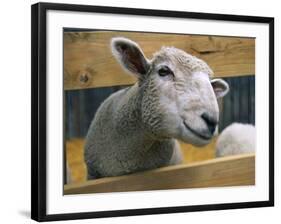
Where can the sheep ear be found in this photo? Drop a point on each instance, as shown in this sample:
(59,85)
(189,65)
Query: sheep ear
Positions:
(130,56)
(220,87)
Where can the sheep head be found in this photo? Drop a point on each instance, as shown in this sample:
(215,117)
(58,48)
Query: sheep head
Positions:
(178,98)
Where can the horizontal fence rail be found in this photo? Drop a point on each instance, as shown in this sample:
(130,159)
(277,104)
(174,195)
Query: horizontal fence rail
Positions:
(88,61)
(227,171)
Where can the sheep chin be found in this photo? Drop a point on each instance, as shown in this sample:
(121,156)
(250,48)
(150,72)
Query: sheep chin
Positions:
(190,137)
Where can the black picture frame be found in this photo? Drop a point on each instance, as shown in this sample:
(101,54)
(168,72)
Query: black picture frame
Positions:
(39,122)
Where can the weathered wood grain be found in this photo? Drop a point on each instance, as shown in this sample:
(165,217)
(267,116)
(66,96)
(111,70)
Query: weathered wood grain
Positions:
(88,61)
(227,171)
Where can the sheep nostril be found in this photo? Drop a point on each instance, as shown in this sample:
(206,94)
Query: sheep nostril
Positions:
(210,121)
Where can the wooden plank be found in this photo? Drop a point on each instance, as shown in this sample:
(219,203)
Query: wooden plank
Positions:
(75,160)
(228,171)
(88,61)
(193,153)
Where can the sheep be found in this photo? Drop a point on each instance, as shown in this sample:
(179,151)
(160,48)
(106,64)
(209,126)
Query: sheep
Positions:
(136,128)
(235,139)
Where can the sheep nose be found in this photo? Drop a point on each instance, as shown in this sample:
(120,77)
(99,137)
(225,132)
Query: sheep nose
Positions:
(210,121)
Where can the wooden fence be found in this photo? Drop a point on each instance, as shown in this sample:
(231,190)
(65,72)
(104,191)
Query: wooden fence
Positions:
(88,63)
(228,171)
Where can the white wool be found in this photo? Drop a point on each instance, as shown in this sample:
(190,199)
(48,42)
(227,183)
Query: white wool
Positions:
(236,139)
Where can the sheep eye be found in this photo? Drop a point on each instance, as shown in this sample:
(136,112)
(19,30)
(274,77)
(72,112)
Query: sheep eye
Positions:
(164,71)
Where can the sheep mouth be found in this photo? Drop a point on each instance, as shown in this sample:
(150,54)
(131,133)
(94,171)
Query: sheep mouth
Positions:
(196,133)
